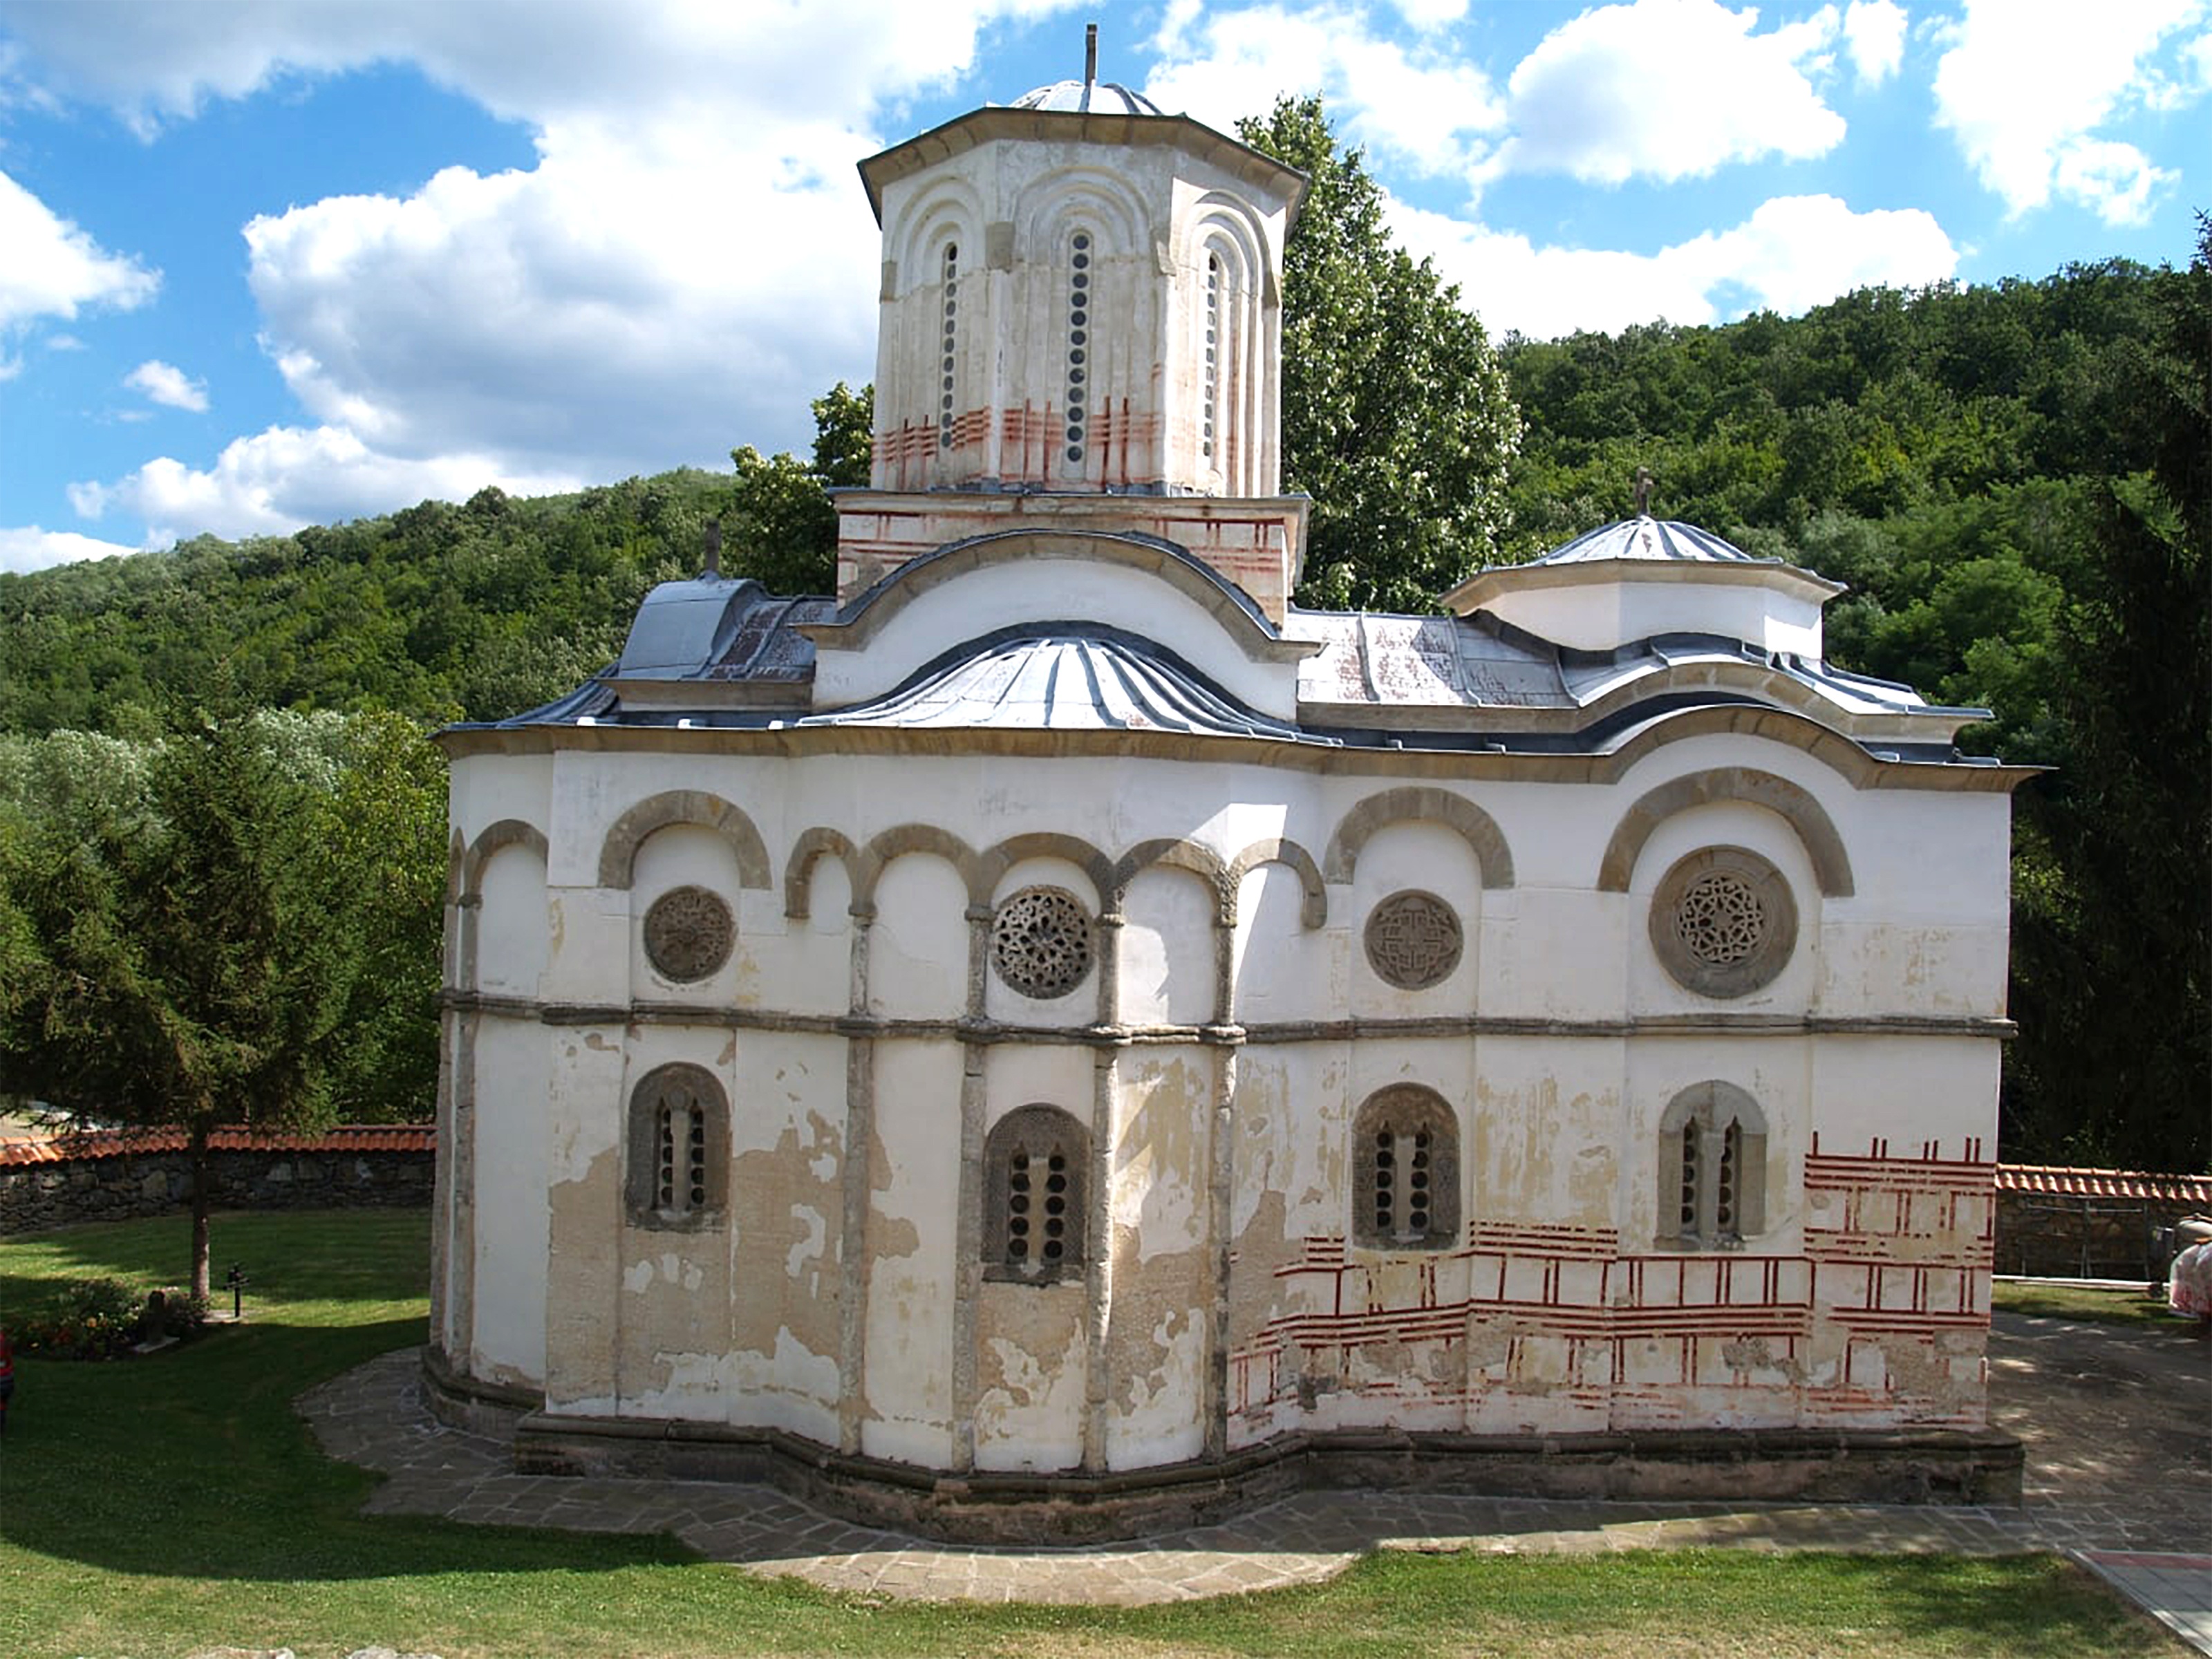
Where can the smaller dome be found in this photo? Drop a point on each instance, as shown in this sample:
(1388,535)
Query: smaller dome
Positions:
(1088,98)
(1647,537)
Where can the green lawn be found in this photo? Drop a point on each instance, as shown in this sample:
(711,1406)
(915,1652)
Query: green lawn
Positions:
(158,1507)
(2127,1307)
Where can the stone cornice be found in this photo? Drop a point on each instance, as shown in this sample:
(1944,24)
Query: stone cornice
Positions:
(784,742)
(996,123)
(1716,1023)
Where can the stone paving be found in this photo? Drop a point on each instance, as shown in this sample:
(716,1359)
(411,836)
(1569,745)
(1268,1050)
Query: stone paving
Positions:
(2117,1423)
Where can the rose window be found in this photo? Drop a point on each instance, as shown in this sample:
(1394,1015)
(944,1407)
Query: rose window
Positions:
(688,933)
(1414,941)
(1723,921)
(1041,942)
(1720,920)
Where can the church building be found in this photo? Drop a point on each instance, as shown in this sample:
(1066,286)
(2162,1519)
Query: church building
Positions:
(1055,1038)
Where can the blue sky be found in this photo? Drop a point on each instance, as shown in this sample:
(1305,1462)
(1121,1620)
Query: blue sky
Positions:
(264,264)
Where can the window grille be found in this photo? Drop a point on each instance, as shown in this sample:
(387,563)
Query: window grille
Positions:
(680,1132)
(952,337)
(1212,407)
(1405,1171)
(1079,294)
(1035,1163)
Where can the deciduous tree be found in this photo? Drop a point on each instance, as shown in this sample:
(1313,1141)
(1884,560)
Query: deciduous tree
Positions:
(1396,418)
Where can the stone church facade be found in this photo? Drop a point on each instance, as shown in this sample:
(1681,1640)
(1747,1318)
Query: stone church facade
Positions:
(1055,1037)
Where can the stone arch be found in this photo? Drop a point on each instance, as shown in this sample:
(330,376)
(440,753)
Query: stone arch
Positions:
(492,838)
(991,868)
(1313,911)
(1423,804)
(467,881)
(809,850)
(1101,201)
(618,853)
(1794,804)
(868,868)
(1227,223)
(1175,854)
(947,208)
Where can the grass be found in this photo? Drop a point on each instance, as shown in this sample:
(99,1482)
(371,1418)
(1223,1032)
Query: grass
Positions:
(170,1505)
(2108,1307)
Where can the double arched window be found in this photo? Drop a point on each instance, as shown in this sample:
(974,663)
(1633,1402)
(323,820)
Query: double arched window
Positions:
(678,1145)
(1405,1164)
(1712,1168)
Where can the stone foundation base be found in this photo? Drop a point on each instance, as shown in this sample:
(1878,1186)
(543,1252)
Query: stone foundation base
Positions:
(1733,1466)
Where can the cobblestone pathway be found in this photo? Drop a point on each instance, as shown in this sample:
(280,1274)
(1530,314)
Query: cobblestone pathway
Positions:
(2117,1424)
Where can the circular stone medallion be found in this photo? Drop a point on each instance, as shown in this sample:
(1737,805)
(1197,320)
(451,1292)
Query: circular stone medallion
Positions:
(1414,941)
(688,933)
(1041,942)
(1723,921)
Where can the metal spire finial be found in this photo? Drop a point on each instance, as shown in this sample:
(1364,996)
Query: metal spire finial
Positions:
(1643,482)
(1090,53)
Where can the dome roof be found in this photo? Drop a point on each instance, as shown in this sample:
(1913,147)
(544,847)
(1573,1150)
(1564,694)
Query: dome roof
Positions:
(1647,537)
(1064,679)
(1088,98)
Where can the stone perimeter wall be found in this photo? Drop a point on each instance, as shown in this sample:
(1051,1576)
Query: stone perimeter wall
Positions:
(115,1188)
(2055,1235)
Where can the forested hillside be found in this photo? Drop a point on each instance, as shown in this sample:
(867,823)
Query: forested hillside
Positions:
(2012,479)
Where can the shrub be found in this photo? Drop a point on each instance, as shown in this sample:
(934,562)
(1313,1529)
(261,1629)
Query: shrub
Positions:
(104,1318)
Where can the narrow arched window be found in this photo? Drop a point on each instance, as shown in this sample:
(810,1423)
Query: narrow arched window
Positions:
(1036,1161)
(1712,1168)
(1210,421)
(1081,291)
(1405,1164)
(678,1145)
(948,367)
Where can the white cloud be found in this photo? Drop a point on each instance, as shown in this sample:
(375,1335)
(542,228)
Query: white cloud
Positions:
(1873,35)
(1667,90)
(1422,105)
(690,260)
(1430,16)
(680,61)
(1793,252)
(2024,85)
(33,548)
(168,385)
(286,477)
(2114,180)
(586,316)
(52,269)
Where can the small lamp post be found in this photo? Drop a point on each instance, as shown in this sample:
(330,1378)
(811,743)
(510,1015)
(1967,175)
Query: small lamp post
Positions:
(236,1279)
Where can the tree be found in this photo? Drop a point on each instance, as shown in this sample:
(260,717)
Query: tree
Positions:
(381,829)
(190,961)
(2115,944)
(781,524)
(1396,419)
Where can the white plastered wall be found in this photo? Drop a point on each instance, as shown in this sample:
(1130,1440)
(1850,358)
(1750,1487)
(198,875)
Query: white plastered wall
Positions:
(1554,1134)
